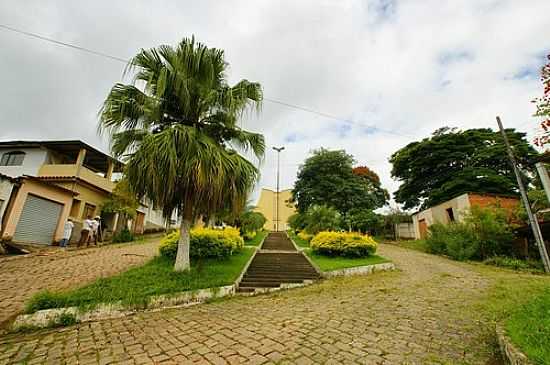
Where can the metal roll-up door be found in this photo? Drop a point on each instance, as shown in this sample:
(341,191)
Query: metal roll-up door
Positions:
(38,221)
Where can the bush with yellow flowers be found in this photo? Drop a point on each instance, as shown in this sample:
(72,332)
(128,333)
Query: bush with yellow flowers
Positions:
(348,244)
(205,242)
(305,236)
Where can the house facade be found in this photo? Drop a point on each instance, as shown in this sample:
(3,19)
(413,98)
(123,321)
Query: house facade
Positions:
(454,210)
(54,181)
(267,205)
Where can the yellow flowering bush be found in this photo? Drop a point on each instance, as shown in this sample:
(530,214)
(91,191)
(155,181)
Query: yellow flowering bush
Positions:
(305,236)
(205,242)
(349,244)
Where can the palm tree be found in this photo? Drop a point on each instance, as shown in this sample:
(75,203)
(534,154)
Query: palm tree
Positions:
(175,125)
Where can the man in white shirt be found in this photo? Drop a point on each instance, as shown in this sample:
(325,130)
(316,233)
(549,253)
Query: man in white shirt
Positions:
(95,229)
(85,232)
(68,230)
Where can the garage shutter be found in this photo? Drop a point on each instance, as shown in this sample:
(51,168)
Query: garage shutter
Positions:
(38,221)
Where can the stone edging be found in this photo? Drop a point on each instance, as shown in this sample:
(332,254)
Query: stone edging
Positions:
(360,270)
(511,354)
(55,316)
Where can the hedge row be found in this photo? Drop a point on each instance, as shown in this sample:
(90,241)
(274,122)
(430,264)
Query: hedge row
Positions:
(205,242)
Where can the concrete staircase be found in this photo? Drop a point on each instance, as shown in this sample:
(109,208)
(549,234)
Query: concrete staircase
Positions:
(277,263)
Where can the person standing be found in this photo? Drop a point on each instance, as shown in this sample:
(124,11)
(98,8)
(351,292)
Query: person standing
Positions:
(95,229)
(85,232)
(67,232)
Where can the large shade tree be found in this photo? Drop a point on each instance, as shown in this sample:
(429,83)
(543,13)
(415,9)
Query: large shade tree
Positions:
(327,178)
(452,162)
(175,125)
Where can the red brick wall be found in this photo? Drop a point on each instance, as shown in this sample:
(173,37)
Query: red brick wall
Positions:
(490,200)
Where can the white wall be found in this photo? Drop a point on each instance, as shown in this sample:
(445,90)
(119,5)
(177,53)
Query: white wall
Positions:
(34,159)
(438,213)
(6,187)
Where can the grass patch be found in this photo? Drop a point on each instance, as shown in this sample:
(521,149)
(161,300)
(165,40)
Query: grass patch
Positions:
(135,286)
(529,328)
(417,245)
(330,263)
(258,238)
(521,302)
(297,240)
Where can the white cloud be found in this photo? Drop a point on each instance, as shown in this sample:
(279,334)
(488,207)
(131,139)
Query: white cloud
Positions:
(404,66)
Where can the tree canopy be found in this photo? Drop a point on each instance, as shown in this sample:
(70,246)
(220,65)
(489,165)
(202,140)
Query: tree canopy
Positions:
(328,178)
(176,127)
(452,162)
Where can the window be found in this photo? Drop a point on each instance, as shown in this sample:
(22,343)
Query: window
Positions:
(75,208)
(450,214)
(88,211)
(14,158)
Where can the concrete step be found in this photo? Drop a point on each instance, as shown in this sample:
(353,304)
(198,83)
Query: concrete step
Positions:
(271,269)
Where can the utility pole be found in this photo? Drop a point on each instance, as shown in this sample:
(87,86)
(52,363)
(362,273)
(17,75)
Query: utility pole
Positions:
(278,149)
(543,173)
(532,219)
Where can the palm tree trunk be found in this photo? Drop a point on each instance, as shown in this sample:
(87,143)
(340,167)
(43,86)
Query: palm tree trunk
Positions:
(183,263)
(182,257)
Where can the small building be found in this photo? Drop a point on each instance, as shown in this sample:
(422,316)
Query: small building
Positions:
(267,205)
(454,209)
(56,180)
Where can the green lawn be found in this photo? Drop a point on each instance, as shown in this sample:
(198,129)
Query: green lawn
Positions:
(529,327)
(521,303)
(257,239)
(418,245)
(327,263)
(135,286)
(297,240)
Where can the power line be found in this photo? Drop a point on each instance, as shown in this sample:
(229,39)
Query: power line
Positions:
(59,43)
(126,61)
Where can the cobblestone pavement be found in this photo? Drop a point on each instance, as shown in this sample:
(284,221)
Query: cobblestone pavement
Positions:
(21,277)
(418,315)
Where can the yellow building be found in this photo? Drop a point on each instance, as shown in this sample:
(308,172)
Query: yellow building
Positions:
(267,205)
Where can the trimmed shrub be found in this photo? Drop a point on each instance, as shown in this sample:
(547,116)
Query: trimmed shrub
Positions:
(205,242)
(123,236)
(348,244)
(305,236)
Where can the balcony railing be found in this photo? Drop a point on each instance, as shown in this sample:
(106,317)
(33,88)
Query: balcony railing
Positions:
(72,170)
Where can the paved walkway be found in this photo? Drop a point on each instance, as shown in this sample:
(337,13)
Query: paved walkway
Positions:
(21,277)
(416,316)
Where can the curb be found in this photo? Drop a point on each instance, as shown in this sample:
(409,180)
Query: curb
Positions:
(360,270)
(52,317)
(511,354)
(56,316)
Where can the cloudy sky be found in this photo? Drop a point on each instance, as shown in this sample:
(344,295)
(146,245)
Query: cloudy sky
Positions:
(391,71)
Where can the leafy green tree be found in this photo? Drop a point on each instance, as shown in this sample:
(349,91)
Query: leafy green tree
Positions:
(365,220)
(327,178)
(176,127)
(297,221)
(452,162)
(122,200)
(322,218)
(251,221)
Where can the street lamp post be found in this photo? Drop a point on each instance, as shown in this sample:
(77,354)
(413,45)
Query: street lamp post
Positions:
(278,149)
